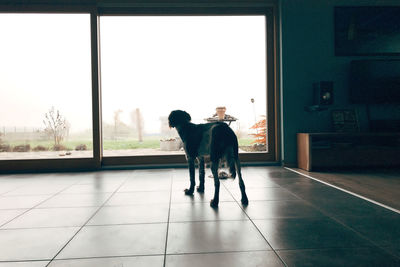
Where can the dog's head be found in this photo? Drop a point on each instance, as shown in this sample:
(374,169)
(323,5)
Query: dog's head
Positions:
(178,117)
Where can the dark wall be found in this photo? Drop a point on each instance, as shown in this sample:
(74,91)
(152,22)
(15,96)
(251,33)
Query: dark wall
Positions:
(307,56)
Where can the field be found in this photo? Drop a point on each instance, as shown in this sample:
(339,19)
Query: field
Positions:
(153,143)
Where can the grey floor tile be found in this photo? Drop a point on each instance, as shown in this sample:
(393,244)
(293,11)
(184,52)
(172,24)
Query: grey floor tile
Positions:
(186,212)
(218,236)
(92,188)
(279,173)
(52,217)
(24,264)
(307,233)
(250,182)
(42,189)
(233,259)
(384,231)
(145,261)
(368,257)
(133,198)
(33,244)
(76,200)
(296,182)
(180,197)
(143,213)
(21,202)
(266,193)
(7,215)
(117,240)
(281,209)
(148,184)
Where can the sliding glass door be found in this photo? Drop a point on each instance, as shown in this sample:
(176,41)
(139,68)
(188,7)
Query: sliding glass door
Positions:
(45,86)
(86,86)
(151,65)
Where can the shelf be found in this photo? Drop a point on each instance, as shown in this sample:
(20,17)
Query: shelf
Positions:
(339,150)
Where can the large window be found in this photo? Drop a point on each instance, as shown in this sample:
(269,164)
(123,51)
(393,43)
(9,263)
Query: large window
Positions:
(151,65)
(45,86)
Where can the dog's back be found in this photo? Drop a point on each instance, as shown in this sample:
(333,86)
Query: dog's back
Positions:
(216,139)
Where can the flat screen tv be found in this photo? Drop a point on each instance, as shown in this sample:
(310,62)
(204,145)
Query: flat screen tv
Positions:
(374,81)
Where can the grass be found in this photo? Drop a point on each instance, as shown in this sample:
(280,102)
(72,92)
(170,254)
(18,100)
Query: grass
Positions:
(152,143)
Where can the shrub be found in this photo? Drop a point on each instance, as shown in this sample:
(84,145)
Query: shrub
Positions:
(59,147)
(40,148)
(22,148)
(81,147)
(5,148)
(261,135)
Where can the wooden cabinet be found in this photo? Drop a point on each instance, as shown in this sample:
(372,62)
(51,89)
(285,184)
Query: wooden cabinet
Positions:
(340,150)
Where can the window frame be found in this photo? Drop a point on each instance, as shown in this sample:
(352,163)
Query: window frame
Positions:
(272,96)
(96,10)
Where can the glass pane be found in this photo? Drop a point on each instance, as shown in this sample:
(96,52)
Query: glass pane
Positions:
(45,86)
(151,65)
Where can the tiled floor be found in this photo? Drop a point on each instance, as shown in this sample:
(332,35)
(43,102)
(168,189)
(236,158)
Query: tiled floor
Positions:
(142,218)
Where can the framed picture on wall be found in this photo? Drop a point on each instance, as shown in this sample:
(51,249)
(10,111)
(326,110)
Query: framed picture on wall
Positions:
(367,30)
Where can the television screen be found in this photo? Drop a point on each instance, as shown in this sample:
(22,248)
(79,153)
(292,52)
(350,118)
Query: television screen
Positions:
(367,30)
(374,81)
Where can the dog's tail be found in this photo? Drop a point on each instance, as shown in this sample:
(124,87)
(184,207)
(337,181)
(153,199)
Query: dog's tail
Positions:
(233,157)
(236,158)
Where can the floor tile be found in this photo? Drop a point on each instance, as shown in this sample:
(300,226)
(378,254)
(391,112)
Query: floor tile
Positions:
(394,250)
(186,212)
(117,240)
(180,197)
(133,198)
(281,209)
(384,231)
(236,259)
(338,257)
(148,184)
(350,206)
(296,182)
(53,217)
(307,233)
(33,244)
(36,190)
(218,236)
(250,182)
(21,202)
(266,193)
(279,174)
(91,188)
(24,264)
(145,213)
(76,200)
(145,261)
(7,215)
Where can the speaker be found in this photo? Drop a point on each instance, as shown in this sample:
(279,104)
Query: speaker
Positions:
(323,93)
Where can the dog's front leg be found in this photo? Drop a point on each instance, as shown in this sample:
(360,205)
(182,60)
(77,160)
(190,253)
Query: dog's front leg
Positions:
(190,190)
(202,173)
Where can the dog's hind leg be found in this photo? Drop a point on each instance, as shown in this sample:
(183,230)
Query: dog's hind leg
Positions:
(231,163)
(190,190)
(214,169)
(202,173)
(244,200)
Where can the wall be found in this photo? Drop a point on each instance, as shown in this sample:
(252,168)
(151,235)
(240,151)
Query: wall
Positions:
(307,56)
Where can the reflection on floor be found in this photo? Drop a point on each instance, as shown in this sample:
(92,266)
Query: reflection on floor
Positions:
(142,218)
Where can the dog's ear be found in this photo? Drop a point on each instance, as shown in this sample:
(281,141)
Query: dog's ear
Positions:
(178,117)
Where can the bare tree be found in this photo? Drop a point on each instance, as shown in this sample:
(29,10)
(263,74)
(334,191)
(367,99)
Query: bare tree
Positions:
(117,121)
(56,125)
(137,123)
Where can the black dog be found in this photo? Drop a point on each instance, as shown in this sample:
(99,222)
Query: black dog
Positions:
(214,139)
